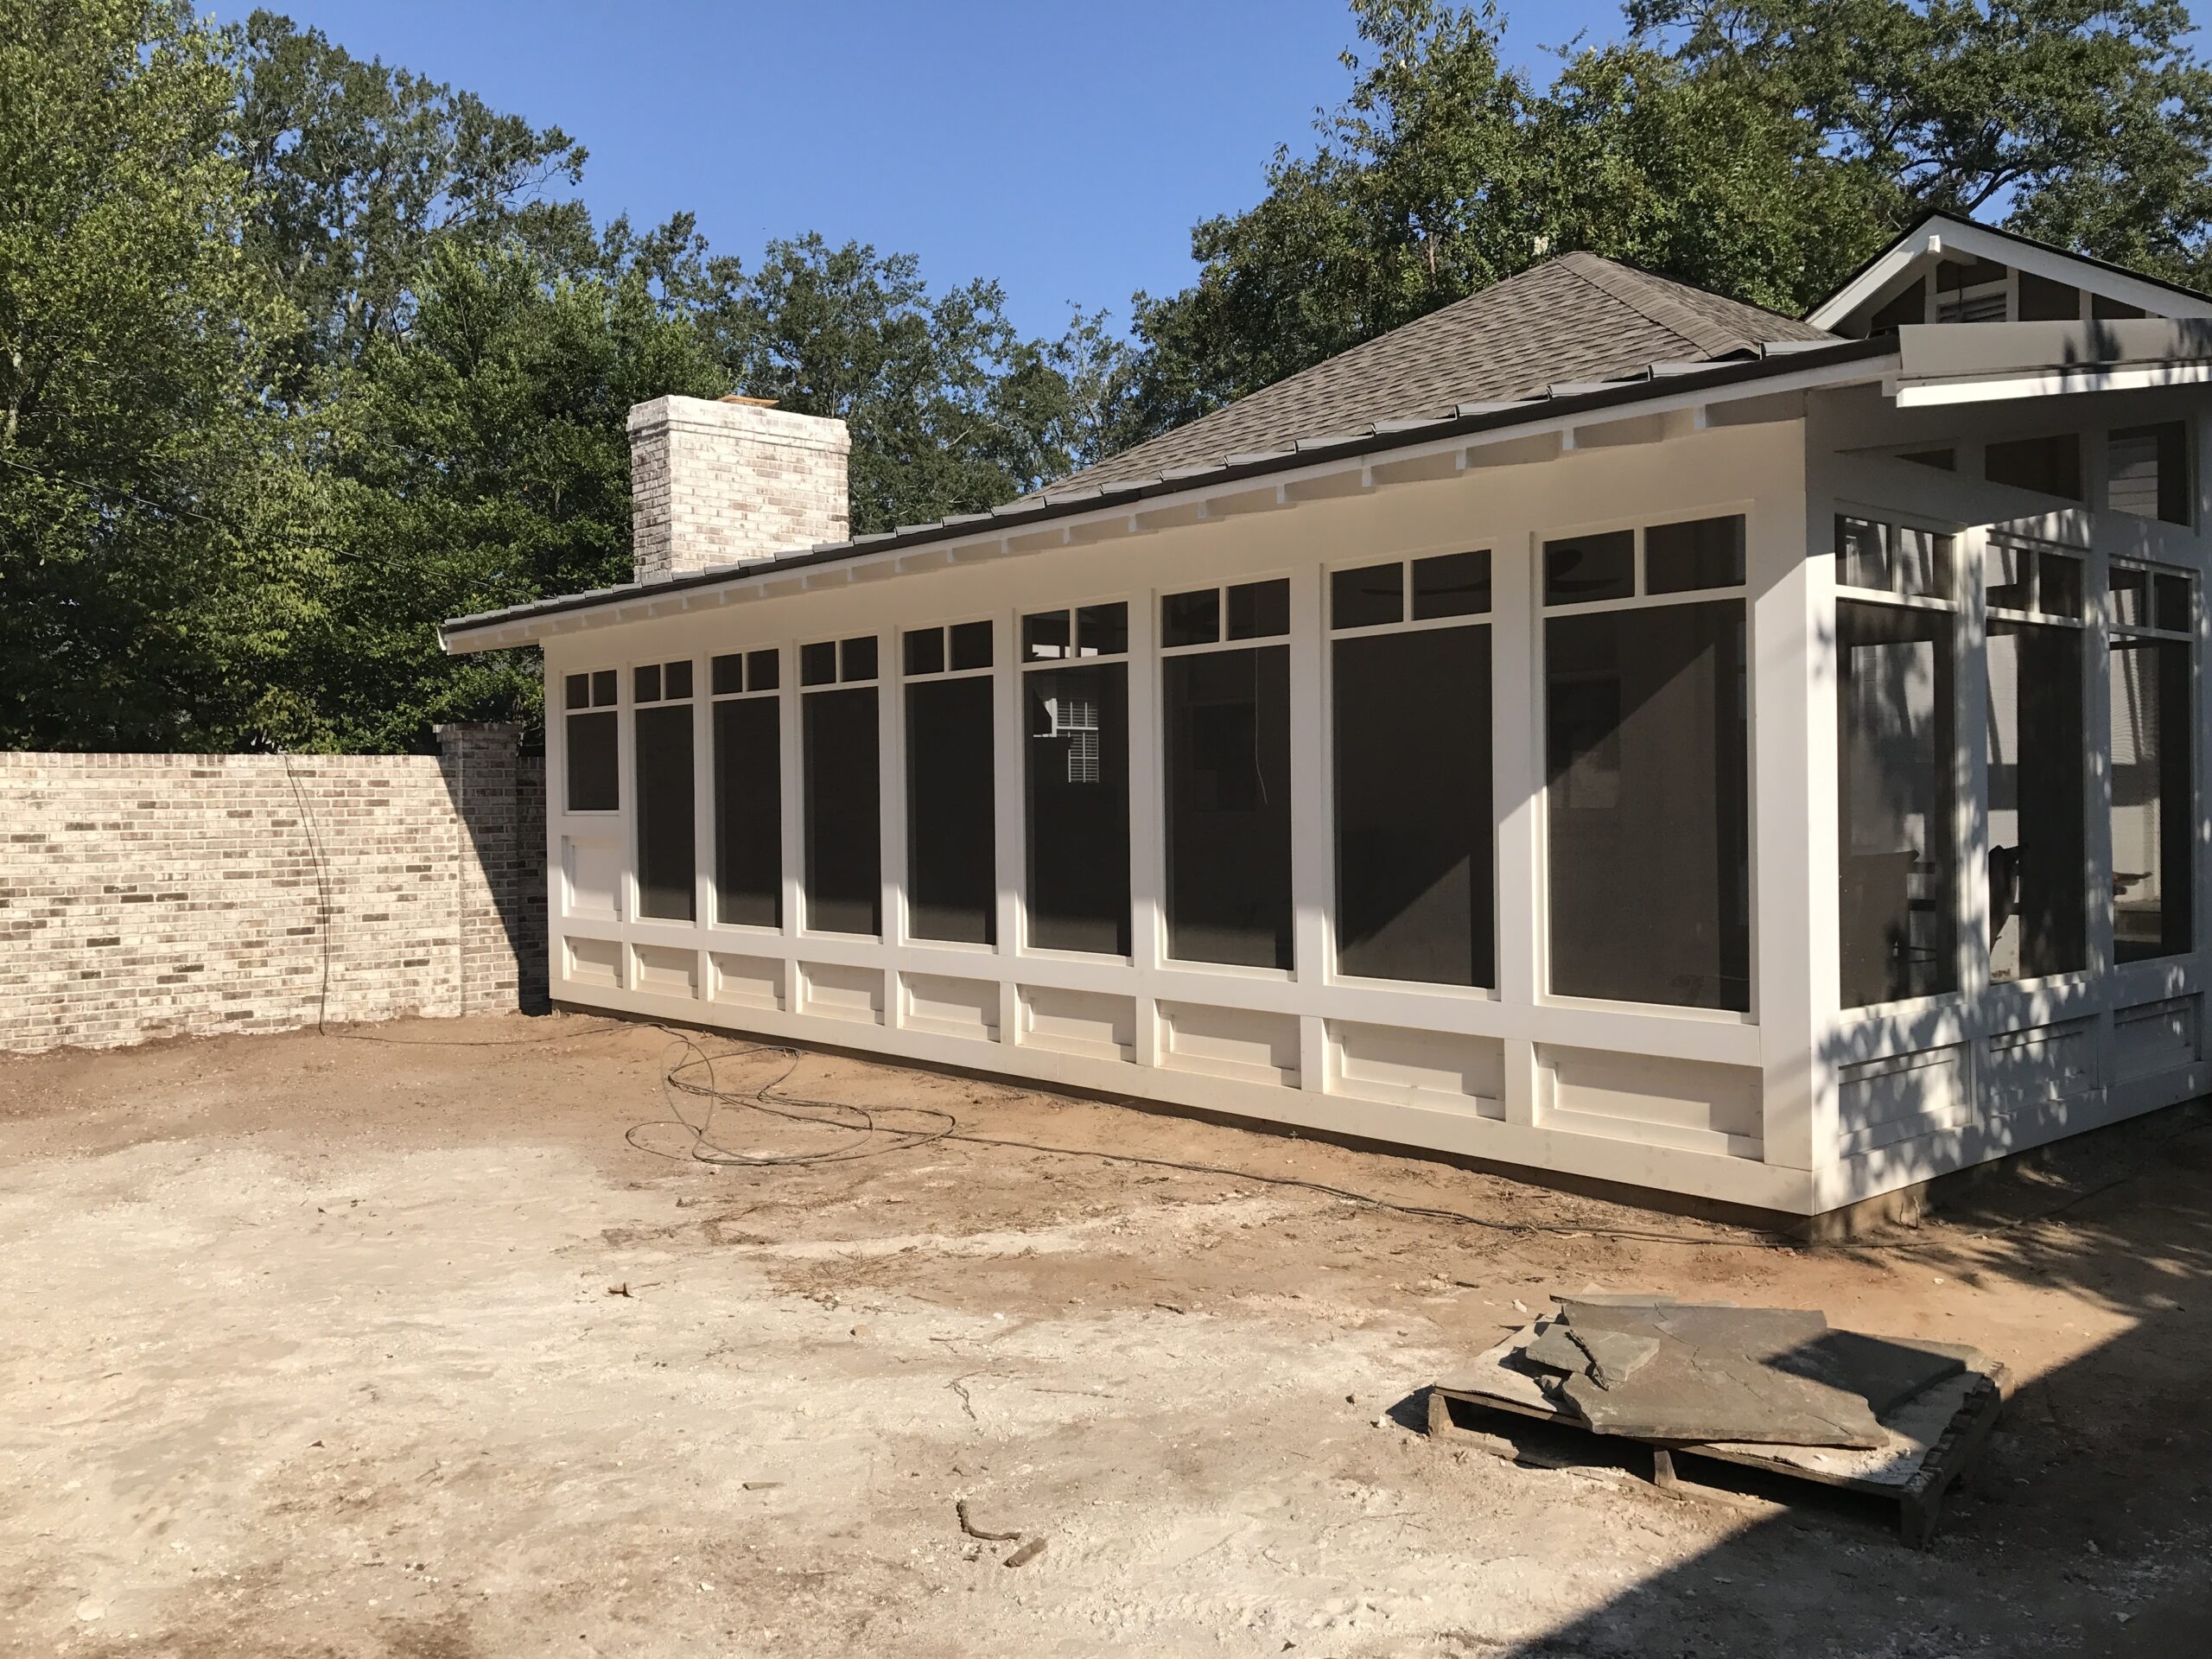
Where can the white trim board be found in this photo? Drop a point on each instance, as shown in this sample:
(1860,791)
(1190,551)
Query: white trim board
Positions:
(1934,238)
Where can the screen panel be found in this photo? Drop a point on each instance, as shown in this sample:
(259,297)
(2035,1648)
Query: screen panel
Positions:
(1896,790)
(667,832)
(1227,759)
(1076,811)
(951,860)
(844,823)
(1649,836)
(1416,888)
(748,813)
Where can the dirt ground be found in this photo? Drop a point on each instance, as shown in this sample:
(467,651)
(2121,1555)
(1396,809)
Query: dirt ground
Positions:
(428,1340)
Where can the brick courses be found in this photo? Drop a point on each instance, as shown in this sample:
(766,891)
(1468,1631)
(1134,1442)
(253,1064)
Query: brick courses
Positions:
(154,895)
(715,483)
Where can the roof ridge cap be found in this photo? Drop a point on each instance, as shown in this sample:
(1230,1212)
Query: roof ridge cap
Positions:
(1636,290)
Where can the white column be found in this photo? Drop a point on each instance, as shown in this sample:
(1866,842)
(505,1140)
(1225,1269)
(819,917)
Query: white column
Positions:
(2096,734)
(1312,830)
(1517,785)
(1791,562)
(1010,825)
(792,712)
(891,739)
(1147,865)
(1971,820)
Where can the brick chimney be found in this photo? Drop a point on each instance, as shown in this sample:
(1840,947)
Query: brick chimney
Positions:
(715,483)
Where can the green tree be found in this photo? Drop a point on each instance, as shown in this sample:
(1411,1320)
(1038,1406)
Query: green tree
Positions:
(478,458)
(1419,191)
(1758,148)
(2084,122)
(145,495)
(950,410)
(357,170)
(1698,177)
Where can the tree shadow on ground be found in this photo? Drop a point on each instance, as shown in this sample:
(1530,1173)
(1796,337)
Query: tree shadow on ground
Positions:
(2087,1528)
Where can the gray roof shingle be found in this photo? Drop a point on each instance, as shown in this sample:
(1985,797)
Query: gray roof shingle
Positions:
(1577,318)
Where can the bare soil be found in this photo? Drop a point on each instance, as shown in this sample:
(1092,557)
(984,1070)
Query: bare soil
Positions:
(433,1339)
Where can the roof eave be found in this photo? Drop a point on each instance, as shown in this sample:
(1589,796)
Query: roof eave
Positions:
(1933,232)
(1988,362)
(1799,366)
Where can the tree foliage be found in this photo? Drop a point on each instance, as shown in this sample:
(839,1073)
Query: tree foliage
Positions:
(479,458)
(142,486)
(300,353)
(1758,148)
(950,410)
(2087,121)
(358,173)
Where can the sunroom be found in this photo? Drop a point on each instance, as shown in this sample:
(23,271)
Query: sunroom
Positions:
(1599,729)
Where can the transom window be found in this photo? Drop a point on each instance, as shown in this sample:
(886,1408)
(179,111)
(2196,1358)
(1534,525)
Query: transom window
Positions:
(1896,559)
(1897,782)
(2149,599)
(2036,779)
(963,648)
(1225,717)
(1207,616)
(743,672)
(1410,708)
(2153,633)
(748,788)
(593,767)
(1441,587)
(1065,636)
(1647,695)
(1617,564)
(832,662)
(661,683)
(1075,700)
(666,829)
(594,691)
(2033,583)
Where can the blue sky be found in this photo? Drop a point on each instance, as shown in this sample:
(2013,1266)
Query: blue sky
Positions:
(1064,149)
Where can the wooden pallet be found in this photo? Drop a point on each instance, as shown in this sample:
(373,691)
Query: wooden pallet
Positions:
(1933,1438)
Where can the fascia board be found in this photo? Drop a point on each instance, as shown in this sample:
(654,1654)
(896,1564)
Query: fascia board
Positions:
(2054,382)
(1988,362)
(1870,283)
(1536,416)
(1961,236)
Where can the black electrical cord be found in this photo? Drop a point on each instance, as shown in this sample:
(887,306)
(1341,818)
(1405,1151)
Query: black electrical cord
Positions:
(687,1069)
(867,1136)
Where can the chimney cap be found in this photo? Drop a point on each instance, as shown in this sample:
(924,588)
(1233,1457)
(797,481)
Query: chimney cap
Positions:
(750,402)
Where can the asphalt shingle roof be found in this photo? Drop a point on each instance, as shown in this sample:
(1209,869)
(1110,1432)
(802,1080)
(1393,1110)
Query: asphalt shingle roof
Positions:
(1575,318)
(1578,332)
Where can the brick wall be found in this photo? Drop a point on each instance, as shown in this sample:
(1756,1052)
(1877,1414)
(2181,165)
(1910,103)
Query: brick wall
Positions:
(148,895)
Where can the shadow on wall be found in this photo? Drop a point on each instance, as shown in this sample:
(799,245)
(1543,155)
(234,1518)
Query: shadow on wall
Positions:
(498,799)
(2087,1528)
